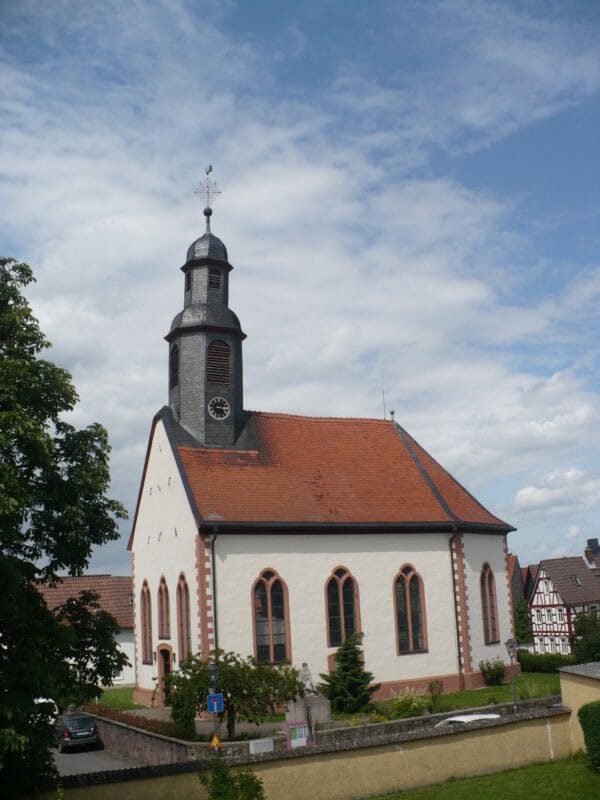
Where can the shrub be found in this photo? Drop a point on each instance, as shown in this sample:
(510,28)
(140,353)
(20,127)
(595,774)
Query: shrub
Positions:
(408,703)
(163,727)
(492,671)
(542,662)
(436,690)
(222,784)
(585,639)
(589,718)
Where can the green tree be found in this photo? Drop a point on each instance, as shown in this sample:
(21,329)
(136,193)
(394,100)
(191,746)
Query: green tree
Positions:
(585,639)
(250,689)
(53,510)
(523,621)
(349,686)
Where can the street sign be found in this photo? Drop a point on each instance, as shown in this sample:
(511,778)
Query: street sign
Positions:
(215,742)
(214,703)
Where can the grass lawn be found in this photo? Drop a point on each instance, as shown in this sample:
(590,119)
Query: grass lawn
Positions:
(120,697)
(528,685)
(570,779)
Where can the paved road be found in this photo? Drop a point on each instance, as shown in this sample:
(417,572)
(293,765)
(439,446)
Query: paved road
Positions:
(76,762)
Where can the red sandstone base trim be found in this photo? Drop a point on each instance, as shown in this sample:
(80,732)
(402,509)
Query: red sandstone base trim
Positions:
(452,682)
(143,696)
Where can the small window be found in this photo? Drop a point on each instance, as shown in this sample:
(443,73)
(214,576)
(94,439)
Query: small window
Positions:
(214,279)
(576,580)
(538,616)
(188,281)
(173,367)
(218,363)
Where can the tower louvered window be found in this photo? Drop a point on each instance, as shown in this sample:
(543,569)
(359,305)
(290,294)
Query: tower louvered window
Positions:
(214,279)
(218,363)
(174,367)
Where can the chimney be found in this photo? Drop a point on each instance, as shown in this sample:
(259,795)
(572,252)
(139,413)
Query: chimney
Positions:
(591,550)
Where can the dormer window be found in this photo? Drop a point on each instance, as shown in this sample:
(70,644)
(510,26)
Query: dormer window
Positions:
(214,279)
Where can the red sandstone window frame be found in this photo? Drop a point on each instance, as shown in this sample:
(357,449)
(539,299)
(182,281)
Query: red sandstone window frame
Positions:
(405,575)
(267,579)
(164,622)
(184,629)
(340,576)
(146,615)
(489,605)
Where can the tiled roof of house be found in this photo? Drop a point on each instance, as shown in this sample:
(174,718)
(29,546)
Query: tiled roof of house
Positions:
(322,471)
(114,591)
(566,573)
(512,561)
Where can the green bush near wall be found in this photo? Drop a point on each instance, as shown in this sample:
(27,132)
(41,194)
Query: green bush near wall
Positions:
(542,662)
(589,719)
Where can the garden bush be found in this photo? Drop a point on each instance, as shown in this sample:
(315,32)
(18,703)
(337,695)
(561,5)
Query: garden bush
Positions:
(164,727)
(492,671)
(408,703)
(589,718)
(542,662)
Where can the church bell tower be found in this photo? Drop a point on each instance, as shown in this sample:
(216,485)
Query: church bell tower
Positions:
(205,347)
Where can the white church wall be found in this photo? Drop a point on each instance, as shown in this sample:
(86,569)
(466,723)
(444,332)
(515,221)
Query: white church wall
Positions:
(478,550)
(125,641)
(305,563)
(164,544)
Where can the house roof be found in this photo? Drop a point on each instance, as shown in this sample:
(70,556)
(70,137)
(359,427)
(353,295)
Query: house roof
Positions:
(114,591)
(562,572)
(296,471)
(512,562)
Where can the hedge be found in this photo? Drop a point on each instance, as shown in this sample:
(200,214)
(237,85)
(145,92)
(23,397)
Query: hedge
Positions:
(162,726)
(589,719)
(542,662)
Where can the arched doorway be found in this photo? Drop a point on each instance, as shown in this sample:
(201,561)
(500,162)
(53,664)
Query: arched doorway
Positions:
(165,667)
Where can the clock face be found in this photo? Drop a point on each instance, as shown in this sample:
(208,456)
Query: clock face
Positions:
(218,408)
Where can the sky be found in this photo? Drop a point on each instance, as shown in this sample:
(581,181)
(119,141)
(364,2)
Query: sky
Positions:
(410,198)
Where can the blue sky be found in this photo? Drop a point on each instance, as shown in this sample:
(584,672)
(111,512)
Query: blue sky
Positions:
(410,199)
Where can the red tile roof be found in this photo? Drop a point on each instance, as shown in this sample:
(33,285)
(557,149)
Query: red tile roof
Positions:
(115,594)
(512,560)
(323,471)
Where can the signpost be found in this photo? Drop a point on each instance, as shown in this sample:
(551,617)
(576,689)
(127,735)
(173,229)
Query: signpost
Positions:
(214,703)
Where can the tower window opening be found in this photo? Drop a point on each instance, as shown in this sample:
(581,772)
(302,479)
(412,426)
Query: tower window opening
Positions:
(218,362)
(214,279)
(188,281)
(174,367)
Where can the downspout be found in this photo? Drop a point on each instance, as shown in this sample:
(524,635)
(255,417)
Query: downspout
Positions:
(213,537)
(461,677)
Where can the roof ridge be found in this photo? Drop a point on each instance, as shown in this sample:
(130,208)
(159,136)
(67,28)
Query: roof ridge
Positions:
(317,418)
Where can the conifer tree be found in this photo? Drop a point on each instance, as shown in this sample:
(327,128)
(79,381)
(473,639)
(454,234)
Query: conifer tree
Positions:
(349,686)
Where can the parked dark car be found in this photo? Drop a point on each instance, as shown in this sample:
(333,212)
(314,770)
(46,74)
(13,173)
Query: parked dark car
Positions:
(75,730)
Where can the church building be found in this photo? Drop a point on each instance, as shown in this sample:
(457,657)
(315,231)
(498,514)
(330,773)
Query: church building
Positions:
(277,535)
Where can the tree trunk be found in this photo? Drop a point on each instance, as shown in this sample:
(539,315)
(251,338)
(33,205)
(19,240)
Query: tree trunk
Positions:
(230,722)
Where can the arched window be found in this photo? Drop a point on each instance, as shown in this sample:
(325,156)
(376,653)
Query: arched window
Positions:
(342,606)
(410,611)
(184,631)
(271,618)
(163,610)
(488,605)
(173,367)
(146,612)
(218,363)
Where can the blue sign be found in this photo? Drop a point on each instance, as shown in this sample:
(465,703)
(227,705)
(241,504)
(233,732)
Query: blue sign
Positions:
(214,703)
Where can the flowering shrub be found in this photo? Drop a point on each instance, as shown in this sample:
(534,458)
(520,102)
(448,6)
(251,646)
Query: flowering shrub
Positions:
(407,703)
(492,671)
(164,727)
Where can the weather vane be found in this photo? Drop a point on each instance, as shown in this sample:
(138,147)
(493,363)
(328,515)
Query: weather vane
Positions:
(208,189)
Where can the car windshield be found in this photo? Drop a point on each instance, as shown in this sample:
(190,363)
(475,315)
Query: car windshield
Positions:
(80,723)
